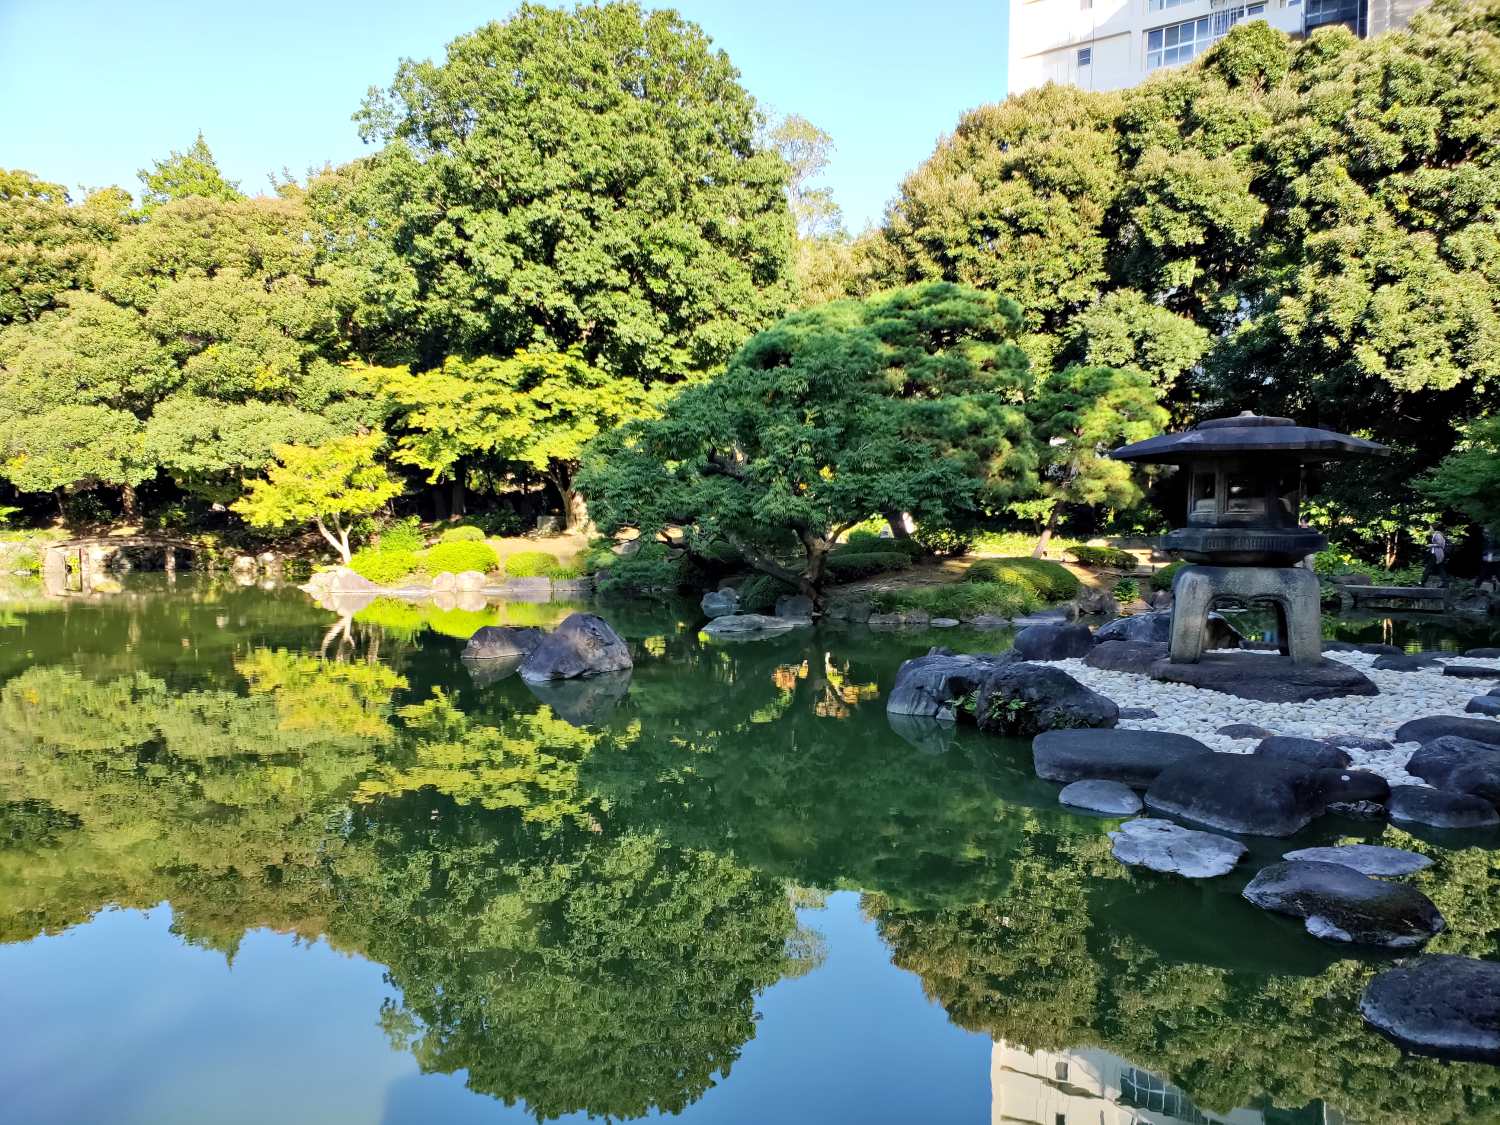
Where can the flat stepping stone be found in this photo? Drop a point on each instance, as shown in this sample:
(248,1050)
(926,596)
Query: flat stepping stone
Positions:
(1171,849)
(1435,726)
(1359,742)
(1137,713)
(1484,705)
(1310,752)
(1416,804)
(1111,797)
(1471,671)
(1367,859)
(944,623)
(1415,662)
(1267,678)
(1338,903)
(1134,757)
(749,626)
(1245,730)
(1438,1004)
(1483,653)
(1240,793)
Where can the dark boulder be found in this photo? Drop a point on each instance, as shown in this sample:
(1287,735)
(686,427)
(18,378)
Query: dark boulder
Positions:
(1112,798)
(1156,628)
(1438,1004)
(794,606)
(1238,793)
(1484,705)
(1435,726)
(1169,848)
(1338,903)
(1137,713)
(1053,642)
(1367,859)
(1310,752)
(720,603)
(502,642)
(1245,730)
(1483,653)
(1471,672)
(1133,757)
(1268,678)
(749,627)
(1025,699)
(1359,742)
(1416,804)
(1345,786)
(583,645)
(1402,662)
(1459,765)
(932,686)
(1126,656)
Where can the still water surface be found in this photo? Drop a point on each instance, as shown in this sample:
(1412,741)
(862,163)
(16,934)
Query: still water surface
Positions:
(258,866)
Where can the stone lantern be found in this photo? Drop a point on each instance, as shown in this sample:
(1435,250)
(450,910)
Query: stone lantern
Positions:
(1242,534)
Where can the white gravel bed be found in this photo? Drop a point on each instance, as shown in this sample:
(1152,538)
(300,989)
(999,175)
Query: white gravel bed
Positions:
(1199,712)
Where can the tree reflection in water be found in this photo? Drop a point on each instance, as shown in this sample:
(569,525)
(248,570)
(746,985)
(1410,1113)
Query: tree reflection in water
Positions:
(579,902)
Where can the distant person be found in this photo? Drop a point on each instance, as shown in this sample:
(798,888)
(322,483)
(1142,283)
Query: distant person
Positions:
(1437,565)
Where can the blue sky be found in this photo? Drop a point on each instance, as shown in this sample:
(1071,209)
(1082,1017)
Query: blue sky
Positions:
(92,90)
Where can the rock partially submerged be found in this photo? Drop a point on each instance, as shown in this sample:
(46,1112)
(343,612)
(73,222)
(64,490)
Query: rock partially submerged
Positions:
(1346,787)
(583,645)
(1416,804)
(590,701)
(720,603)
(502,642)
(1171,849)
(1132,757)
(749,627)
(1472,671)
(1268,678)
(1238,793)
(1111,798)
(1367,859)
(1438,1004)
(1459,765)
(1338,903)
(933,685)
(1435,726)
(1025,699)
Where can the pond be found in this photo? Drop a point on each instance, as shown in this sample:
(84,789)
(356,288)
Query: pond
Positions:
(259,864)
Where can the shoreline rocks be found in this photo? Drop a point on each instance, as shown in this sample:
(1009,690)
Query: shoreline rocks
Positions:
(1367,859)
(1238,793)
(502,642)
(1438,1004)
(1131,757)
(1338,903)
(1434,808)
(1023,699)
(583,645)
(1267,678)
(1171,849)
(1111,798)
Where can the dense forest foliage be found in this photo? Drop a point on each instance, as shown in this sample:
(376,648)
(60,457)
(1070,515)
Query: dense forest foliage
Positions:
(571,229)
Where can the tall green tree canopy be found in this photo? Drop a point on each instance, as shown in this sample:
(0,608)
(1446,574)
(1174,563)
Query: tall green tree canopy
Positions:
(183,175)
(911,401)
(582,179)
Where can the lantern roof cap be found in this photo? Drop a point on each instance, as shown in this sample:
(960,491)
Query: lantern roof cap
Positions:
(1249,433)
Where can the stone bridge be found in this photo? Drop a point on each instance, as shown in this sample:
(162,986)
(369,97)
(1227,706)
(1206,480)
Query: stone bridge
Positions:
(92,554)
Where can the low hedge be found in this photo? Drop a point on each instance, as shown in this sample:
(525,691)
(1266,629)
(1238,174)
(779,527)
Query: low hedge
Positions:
(464,533)
(1162,579)
(458,557)
(384,567)
(531,564)
(847,564)
(962,599)
(1111,557)
(1050,581)
(758,593)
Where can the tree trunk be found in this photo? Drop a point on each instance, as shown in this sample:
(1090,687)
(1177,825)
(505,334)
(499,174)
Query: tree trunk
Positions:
(339,542)
(575,509)
(897,520)
(439,504)
(1040,551)
(128,505)
(456,506)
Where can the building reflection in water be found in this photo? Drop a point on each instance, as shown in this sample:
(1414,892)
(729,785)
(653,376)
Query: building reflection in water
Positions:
(1093,1087)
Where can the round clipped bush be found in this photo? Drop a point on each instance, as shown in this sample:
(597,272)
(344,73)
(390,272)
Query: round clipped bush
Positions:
(1050,581)
(458,557)
(403,535)
(464,533)
(846,565)
(758,593)
(1162,579)
(868,540)
(1112,557)
(531,564)
(384,568)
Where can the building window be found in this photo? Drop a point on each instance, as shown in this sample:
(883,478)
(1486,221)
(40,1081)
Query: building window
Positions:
(1061,1070)
(1325,13)
(1179,43)
(1085,56)
(1163,5)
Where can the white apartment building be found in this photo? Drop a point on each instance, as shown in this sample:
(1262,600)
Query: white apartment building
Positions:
(1112,44)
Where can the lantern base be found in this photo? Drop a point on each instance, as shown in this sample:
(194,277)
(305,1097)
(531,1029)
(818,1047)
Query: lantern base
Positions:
(1292,591)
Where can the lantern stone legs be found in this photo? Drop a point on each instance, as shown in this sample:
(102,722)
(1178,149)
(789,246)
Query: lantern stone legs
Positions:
(1293,591)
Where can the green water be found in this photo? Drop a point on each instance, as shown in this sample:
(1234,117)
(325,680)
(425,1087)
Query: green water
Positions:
(257,864)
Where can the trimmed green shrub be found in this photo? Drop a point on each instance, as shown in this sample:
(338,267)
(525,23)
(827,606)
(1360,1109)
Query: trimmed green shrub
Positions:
(531,564)
(1050,581)
(1162,579)
(568,570)
(1127,590)
(463,533)
(652,567)
(758,594)
(383,567)
(846,565)
(868,540)
(403,535)
(1111,557)
(459,557)
(943,542)
(961,599)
